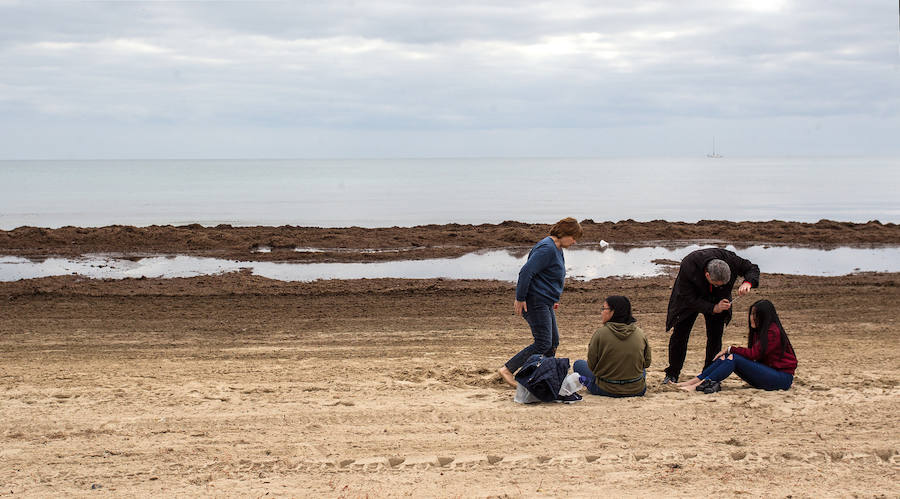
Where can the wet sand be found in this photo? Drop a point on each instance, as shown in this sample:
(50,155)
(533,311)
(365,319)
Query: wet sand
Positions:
(237,385)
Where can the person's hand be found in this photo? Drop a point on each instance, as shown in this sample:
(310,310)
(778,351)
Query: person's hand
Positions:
(722,306)
(521,307)
(556,306)
(745,288)
(722,354)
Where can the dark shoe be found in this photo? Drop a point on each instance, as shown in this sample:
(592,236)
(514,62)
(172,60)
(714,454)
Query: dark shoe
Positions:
(703,385)
(569,399)
(670,380)
(713,387)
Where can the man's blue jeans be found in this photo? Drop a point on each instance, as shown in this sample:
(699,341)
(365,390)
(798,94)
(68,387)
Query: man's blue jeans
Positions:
(581,368)
(756,374)
(542,319)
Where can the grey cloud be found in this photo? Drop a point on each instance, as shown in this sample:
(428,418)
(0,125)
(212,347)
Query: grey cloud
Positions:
(465,66)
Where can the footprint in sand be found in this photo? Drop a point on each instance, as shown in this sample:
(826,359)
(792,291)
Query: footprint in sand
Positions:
(574,460)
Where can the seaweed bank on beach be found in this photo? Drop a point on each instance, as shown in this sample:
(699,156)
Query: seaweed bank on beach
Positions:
(419,242)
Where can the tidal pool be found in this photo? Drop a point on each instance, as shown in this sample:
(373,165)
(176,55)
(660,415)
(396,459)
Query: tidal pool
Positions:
(581,264)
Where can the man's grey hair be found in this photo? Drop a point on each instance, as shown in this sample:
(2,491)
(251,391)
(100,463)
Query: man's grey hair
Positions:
(719,271)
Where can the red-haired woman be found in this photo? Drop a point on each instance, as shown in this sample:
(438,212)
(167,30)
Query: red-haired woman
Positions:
(538,290)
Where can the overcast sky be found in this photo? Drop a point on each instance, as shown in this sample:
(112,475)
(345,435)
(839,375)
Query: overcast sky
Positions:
(390,78)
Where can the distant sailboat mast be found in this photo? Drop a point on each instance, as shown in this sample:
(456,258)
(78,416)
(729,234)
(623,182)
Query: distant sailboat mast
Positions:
(714,153)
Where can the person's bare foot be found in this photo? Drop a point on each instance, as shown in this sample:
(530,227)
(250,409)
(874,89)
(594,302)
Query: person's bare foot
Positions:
(689,385)
(507,376)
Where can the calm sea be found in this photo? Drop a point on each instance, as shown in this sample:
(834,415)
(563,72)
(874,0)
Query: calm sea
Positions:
(405,192)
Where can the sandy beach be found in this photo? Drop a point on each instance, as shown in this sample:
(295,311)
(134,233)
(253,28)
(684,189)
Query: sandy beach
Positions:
(237,385)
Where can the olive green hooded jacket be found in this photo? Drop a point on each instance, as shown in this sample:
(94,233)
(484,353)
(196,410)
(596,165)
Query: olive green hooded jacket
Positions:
(618,354)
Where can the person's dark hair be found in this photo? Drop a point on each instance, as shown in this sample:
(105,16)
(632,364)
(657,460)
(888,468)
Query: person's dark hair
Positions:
(567,227)
(765,316)
(719,271)
(621,309)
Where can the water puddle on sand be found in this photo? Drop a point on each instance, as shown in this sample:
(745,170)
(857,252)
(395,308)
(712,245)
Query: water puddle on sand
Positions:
(582,264)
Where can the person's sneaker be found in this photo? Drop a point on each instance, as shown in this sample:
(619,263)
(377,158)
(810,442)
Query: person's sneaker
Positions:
(713,387)
(569,399)
(670,380)
(703,385)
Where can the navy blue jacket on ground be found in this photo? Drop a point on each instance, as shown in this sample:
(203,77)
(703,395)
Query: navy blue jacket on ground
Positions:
(543,376)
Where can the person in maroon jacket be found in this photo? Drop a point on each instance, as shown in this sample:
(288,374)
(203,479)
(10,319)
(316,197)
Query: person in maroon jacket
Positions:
(768,362)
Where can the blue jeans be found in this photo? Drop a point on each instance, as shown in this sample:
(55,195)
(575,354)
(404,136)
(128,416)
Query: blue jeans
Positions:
(756,374)
(542,319)
(581,368)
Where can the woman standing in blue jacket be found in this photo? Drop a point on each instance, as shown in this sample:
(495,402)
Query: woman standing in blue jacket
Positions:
(538,290)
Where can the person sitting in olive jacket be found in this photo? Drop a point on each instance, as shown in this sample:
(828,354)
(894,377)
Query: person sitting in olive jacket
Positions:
(618,354)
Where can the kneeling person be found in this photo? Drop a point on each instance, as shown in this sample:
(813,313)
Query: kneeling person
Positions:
(618,355)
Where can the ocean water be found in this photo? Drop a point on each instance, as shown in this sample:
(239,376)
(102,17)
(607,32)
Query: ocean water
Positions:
(406,192)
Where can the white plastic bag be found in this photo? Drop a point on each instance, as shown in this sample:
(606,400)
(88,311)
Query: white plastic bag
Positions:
(523,396)
(570,385)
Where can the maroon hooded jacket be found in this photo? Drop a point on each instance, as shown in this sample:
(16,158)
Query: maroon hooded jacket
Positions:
(773,357)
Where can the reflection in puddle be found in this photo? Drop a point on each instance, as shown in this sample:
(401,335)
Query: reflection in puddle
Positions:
(358,250)
(582,264)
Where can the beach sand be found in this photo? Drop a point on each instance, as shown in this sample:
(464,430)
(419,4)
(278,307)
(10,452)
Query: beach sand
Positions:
(236,385)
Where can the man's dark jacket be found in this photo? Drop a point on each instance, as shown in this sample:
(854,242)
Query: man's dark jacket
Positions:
(693,293)
(543,376)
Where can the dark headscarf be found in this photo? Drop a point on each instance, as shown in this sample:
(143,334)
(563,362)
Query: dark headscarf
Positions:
(621,309)
(765,317)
